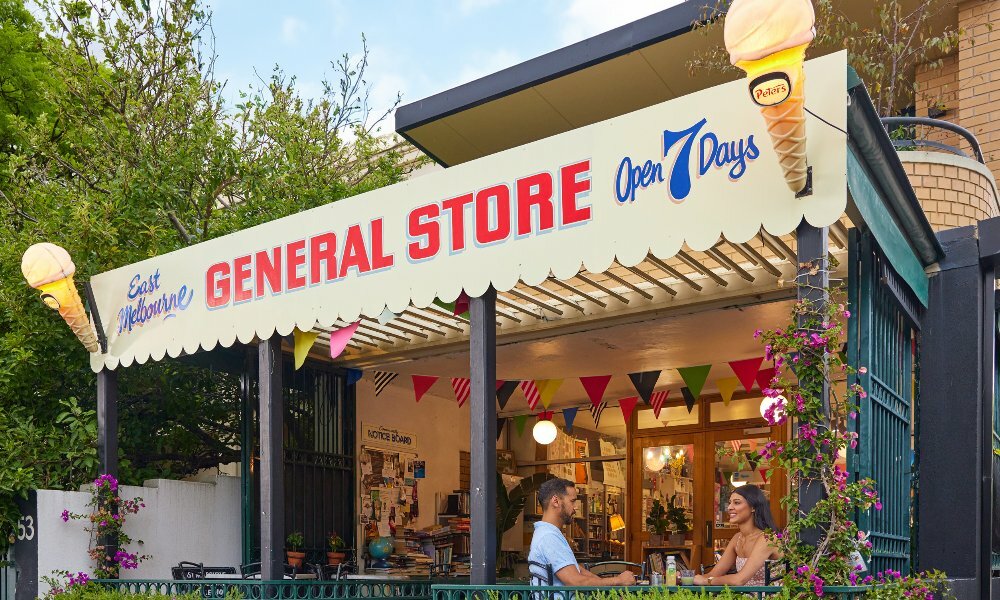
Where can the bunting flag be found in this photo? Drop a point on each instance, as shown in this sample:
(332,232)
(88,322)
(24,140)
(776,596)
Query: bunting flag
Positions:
(764,377)
(547,389)
(763,475)
(569,415)
(340,337)
(657,400)
(596,386)
(461,304)
(628,405)
(695,377)
(736,445)
(382,379)
(354,376)
(386,316)
(596,410)
(519,422)
(545,415)
(304,341)
(500,422)
(689,398)
(644,383)
(530,393)
(753,461)
(727,386)
(504,391)
(422,383)
(463,388)
(746,370)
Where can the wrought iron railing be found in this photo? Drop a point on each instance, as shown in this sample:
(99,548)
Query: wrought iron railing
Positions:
(527,592)
(288,589)
(903,132)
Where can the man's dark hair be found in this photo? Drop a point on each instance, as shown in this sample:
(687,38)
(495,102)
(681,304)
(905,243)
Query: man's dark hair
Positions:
(553,487)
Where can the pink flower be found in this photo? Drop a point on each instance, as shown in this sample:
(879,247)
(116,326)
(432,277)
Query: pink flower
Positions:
(862,370)
(854,415)
(65,516)
(878,505)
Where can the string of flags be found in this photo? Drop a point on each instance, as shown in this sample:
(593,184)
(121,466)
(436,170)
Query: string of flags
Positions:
(747,373)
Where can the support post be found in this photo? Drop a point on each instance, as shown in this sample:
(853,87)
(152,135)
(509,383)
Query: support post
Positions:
(813,269)
(482,357)
(107,438)
(272,481)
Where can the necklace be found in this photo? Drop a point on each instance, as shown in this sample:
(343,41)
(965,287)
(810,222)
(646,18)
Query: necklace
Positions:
(741,543)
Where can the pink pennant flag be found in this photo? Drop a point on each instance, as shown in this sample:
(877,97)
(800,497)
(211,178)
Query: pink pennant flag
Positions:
(422,383)
(657,399)
(764,377)
(531,393)
(746,370)
(340,337)
(628,405)
(462,387)
(596,386)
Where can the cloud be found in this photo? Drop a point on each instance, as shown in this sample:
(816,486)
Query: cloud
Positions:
(585,18)
(291,29)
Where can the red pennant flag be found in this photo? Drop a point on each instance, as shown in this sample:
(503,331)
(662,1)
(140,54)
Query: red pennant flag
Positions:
(657,399)
(596,386)
(546,415)
(463,388)
(763,475)
(764,377)
(746,370)
(461,304)
(422,383)
(628,405)
(531,393)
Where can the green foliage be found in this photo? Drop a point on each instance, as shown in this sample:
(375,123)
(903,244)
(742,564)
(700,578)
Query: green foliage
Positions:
(677,516)
(295,540)
(884,49)
(510,504)
(657,520)
(94,591)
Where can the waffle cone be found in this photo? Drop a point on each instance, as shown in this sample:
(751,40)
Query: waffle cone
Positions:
(76,317)
(786,123)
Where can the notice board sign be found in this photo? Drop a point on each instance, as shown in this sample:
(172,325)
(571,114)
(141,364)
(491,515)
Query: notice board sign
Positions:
(384,437)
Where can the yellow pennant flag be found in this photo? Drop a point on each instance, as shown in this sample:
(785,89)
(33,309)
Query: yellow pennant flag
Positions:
(304,341)
(726,387)
(547,389)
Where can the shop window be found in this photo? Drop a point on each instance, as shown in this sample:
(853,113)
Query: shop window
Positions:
(737,409)
(670,416)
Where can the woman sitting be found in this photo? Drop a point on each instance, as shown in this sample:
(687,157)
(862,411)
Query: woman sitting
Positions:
(751,547)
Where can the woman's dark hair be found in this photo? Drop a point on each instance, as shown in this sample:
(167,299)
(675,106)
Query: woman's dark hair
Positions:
(759,506)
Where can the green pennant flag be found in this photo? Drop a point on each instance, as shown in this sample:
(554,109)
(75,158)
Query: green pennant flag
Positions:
(695,377)
(519,422)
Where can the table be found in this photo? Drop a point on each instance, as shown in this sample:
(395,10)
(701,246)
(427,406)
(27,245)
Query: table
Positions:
(687,554)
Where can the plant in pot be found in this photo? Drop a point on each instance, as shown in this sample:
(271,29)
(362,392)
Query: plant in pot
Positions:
(336,544)
(677,516)
(294,553)
(658,523)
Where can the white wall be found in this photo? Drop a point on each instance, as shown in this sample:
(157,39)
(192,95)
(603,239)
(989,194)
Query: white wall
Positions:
(198,522)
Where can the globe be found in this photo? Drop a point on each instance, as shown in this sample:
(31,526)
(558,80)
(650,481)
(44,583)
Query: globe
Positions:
(380,549)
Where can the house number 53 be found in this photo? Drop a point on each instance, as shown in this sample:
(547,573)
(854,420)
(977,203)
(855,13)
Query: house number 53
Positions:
(26,528)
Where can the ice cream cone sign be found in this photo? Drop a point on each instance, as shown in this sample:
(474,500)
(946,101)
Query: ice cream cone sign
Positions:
(768,40)
(49,269)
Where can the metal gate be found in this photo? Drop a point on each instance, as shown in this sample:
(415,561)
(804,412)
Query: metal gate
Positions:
(884,328)
(8,577)
(318,456)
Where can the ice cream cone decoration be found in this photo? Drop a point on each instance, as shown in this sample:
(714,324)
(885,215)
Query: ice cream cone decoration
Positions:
(49,269)
(768,40)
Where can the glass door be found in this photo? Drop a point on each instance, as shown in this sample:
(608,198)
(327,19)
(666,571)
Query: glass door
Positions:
(726,472)
(665,502)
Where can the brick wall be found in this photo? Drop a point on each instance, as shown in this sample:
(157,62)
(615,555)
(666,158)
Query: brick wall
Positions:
(979,75)
(951,195)
(937,87)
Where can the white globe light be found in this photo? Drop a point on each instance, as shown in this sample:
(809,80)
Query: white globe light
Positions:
(737,482)
(655,460)
(544,432)
(778,412)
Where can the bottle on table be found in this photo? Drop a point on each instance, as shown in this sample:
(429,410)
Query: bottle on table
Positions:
(671,579)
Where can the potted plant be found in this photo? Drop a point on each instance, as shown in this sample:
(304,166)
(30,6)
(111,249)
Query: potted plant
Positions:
(678,517)
(295,541)
(336,544)
(657,523)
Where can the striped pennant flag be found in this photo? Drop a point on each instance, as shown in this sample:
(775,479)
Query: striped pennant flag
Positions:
(531,393)
(382,379)
(463,388)
(657,399)
(596,410)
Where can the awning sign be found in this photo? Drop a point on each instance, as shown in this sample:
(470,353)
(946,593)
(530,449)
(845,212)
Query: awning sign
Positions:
(685,171)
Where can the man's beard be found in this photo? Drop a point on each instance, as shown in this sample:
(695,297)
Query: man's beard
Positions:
(567,519)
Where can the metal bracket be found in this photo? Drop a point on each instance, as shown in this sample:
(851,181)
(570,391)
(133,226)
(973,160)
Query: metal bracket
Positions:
(808,189)
(96,316)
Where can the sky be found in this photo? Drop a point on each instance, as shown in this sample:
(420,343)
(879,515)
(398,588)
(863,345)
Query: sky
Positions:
(417,48)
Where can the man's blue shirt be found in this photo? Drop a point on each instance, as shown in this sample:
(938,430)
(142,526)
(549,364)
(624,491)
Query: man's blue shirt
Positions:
(549,547)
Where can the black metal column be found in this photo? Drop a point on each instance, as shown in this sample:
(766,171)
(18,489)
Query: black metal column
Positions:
(483,371)
(107,421)
(272,481)
(813,281)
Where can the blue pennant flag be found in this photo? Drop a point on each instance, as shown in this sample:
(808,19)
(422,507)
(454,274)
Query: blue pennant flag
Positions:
(568,415)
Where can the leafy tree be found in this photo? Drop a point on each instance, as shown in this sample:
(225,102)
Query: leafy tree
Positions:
(884,52)
(116,143)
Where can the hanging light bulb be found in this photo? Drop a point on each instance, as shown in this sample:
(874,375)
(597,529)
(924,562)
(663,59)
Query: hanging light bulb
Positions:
(544,432)
(779,410)
(737,482)
(655,460)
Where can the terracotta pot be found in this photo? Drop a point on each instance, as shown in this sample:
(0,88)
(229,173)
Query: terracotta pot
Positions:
(295,558)
(335,558)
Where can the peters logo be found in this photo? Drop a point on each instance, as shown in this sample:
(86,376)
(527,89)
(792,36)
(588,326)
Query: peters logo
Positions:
(770,89)
(147,302)
(705,148)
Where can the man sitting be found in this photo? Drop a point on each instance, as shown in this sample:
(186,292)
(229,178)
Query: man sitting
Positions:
(549,546)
